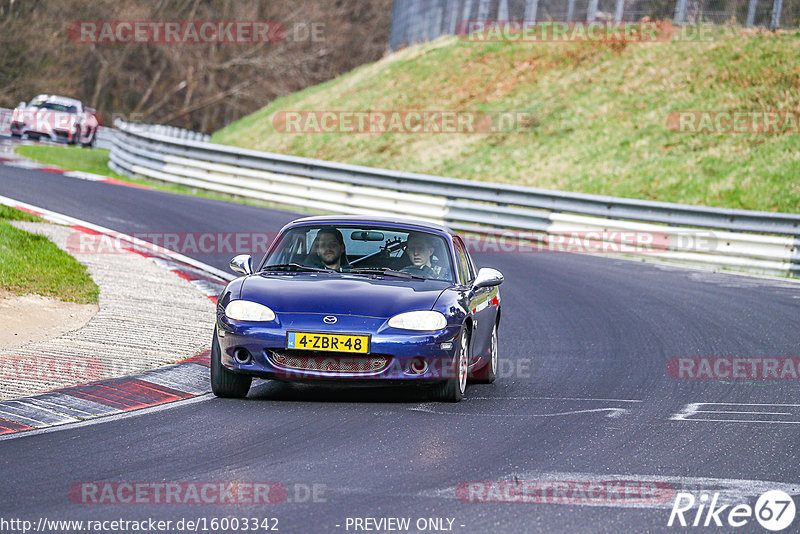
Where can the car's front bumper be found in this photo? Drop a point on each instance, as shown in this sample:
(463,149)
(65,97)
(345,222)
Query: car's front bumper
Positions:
(27,130)
(395,355)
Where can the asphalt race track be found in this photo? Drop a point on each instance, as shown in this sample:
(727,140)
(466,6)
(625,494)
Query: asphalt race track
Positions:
(584,398)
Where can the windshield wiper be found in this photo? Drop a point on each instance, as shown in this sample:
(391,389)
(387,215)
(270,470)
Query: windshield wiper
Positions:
(385,271)
(295,267)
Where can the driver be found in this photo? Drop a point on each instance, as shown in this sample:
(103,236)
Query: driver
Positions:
(329,249)
(419,249)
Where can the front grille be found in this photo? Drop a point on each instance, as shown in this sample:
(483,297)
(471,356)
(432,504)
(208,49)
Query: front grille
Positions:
(330,362)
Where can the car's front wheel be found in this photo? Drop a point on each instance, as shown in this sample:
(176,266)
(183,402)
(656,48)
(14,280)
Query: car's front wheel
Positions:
(90,142)
(453,389)
(223,382)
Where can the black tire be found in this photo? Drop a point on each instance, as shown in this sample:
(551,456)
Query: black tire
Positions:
(488,374)
(90,143)
(16,136)
(453,390)
(223,382)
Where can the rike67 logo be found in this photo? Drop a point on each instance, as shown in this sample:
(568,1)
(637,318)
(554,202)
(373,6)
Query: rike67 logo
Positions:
(774,510)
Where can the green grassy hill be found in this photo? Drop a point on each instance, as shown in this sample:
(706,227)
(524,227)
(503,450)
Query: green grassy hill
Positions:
(599,116)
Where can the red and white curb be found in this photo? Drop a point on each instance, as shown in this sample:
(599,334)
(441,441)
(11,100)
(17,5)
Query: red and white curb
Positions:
(171,383)
(176,382)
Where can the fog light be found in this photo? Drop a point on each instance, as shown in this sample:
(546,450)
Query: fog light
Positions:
(446,346)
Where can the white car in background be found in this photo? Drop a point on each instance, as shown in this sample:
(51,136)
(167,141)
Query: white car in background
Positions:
(57,118)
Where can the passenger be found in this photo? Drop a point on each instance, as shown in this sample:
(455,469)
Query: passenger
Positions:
(329,249)
(419,250)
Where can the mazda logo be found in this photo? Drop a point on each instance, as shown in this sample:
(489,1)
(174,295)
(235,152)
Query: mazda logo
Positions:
(329,319)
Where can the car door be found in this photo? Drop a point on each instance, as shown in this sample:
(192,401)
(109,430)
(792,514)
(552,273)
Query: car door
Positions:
(478,301)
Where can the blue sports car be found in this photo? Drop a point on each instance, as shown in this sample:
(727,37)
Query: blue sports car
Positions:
(359,300)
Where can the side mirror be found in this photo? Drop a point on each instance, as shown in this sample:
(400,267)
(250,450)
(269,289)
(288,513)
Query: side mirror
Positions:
(488,278)
(242,264)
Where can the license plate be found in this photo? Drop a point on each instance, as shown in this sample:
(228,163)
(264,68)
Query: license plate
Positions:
(327,342)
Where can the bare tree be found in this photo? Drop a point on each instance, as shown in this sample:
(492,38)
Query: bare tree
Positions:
(199,86)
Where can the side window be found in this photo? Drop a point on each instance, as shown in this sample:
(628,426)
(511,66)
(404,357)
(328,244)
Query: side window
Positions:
(463,261)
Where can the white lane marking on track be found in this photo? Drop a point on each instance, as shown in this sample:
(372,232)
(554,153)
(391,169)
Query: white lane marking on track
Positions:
(691,410)
(552,398)
(613,412)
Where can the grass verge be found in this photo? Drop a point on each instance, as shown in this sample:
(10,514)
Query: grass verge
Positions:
(597,116)
(72,158)
(31,263)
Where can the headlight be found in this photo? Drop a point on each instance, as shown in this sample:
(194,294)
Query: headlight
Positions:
(244,310)
(418,320)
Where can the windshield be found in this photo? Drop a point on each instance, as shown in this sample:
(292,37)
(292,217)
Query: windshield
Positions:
(54,106)
(362,249)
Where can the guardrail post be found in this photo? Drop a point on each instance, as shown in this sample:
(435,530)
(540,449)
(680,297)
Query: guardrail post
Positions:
(795,267)
(435,24)
(452,14)
(751,13)
(618,10)
(467,14)
(680,12)
(591,12)
(483,9)
(395,36)
(531,7)
(502,10)
(775,21)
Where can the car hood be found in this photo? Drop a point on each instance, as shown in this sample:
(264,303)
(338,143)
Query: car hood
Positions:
(342,294)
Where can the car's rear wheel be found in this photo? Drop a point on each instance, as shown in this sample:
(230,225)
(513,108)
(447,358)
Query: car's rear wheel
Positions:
(223,382)
(489,372)
(453,390)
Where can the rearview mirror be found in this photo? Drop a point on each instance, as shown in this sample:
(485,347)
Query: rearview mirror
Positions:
(488,278)
(242,264)
(367,235)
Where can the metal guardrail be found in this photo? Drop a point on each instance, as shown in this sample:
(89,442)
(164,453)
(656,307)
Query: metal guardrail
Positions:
(755,241)
(169,131)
